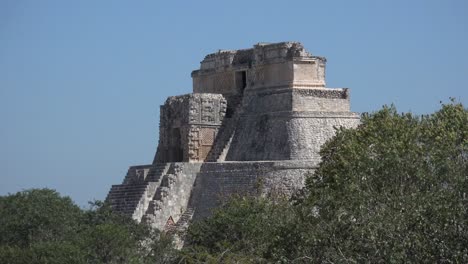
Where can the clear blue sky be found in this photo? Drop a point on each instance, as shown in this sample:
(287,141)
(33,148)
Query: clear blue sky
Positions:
(81,81)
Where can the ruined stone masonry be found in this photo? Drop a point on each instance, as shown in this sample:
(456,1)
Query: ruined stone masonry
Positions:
(254,124)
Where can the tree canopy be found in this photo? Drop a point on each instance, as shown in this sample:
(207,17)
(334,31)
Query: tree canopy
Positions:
(40,226)
(395,188)
(36,216)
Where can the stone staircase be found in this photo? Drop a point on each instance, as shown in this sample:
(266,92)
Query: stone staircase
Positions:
(178,231)
(140,183)
(125,198)
(225,134)
(183,223)
(160,196)
(171,197)
(156,173)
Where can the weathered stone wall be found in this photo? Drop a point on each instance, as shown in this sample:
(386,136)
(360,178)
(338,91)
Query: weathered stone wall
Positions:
(160,192)
(321,100)
(287,99)
(286,135)
(308,131)
(260,137)
(201,186)
(275,75)
(267,101)
(217,82)
(218,181)
(289,123)
(309,73)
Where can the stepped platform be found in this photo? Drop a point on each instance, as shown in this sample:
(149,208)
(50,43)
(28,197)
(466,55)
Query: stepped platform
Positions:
(125,198)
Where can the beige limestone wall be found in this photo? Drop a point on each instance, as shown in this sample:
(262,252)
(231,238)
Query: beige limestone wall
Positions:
(321,100)
(218,181)
(320,104)
(286,135)
(217,82)
(309,73)
(267,101)
(259,137)
(308,131)
(272,75)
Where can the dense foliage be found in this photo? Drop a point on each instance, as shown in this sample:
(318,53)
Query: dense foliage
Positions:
(244,230)
(40,226)
(393,190)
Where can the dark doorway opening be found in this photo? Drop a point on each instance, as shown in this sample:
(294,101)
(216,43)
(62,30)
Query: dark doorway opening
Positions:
(176,151)
(241,81)
(229,112)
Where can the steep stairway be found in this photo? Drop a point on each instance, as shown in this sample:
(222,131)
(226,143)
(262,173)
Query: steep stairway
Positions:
(125,198)
(225,133)
(183,222)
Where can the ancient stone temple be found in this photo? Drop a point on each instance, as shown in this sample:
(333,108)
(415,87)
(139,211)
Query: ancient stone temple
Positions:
(254,124)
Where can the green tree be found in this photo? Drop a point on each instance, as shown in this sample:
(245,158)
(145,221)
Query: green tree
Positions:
(35,216)
(107,237)
(40,226)
(37,226)
(395,189)
(244,230)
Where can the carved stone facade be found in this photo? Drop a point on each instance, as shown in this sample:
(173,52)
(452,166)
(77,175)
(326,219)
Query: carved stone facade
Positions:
(188,127)
(255,115)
